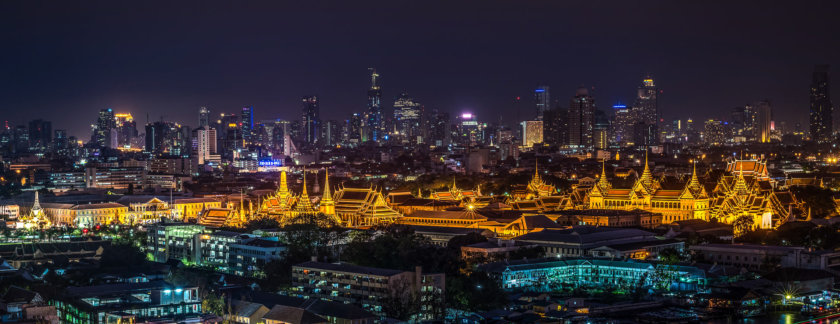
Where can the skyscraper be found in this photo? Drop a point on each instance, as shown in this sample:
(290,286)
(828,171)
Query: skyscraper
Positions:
(374,109)
(203,117)
(764,120)
(600,130)
(205,144)
(126,129)
(623,128)
(408,117)
(581,119)
(532,132)
(311,120)
(542,96)
(821,109)
(40,135)
(247,123)
(646,110)
(102,129)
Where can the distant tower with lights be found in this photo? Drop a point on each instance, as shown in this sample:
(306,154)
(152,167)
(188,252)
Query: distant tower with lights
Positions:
(375,125)
(542,96)
(820,116)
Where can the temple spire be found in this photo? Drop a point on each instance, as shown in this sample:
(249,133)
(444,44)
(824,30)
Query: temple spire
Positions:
(327,195)
(283,190)
(646,176)
(602,182)
(694,181)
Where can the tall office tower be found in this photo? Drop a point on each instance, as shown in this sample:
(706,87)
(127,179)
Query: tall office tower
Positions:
(40,135)
(247,123)
(102,129)
(330,133)
(532,132)
(581,119)
(468,131)
(715,132)
(821,109)
(646,110)
(764,120)
(204,144)
(623,128)
(355,129)
(408,117)
(126,129)
(374,109)
(542,96)
(21,139)
(311,121)
(439,128)
(60,141)
(229,134)
(551,127)
(744,122)
(203,117)
(600,130)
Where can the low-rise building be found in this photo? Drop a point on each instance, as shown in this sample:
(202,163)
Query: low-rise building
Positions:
(172,241)
(756,257)
(143,301)
(363,286)
(579,241)
(552,273)
(608,217)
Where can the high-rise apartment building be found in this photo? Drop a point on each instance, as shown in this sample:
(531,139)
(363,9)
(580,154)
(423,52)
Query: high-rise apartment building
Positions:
(40,135)
(205,144)
(581,119)
(764,121)
(374,123)
(623,126)
(532,132)
(102,129)
(247,123)
(820,116)
(439,128)
(542,96)
(311,121)
(408,119)
(646,109)
(600,130)
(125,130)
(203,117)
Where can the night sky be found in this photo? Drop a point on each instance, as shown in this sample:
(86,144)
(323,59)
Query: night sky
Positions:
(63,61)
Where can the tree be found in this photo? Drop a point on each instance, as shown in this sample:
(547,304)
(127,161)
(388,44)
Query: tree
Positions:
(743,224)
(475,292)
(213,304)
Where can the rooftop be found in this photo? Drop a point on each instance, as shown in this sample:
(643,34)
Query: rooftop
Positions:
(349,268)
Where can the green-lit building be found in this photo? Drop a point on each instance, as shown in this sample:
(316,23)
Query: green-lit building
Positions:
(552,273)
(168,241)
(142,301)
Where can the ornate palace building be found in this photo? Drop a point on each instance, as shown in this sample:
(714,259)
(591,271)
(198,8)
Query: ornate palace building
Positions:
(748,191)
(647,194)
(363,207)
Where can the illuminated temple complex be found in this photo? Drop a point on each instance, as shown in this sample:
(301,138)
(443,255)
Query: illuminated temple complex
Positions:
(691,202)
(748,191)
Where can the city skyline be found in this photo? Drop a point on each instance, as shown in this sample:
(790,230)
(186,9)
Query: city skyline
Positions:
(462,74)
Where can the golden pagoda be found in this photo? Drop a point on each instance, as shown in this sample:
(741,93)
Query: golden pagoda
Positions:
(304,204)
(327,205)
(537,187)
